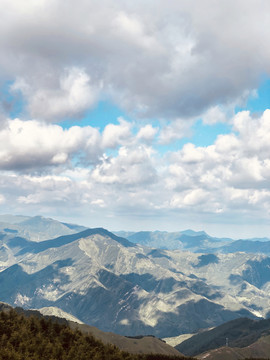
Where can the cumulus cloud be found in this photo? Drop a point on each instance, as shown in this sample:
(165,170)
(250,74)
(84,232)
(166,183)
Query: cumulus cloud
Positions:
(147,133)
(229,178)
(132,166)
(44,192)
(229,175)
(174,131)
(115,135)
(214,115)
(152,59)
(33,145)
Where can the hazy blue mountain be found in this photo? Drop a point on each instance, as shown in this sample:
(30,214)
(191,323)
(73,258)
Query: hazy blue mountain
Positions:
(248,246)
(198,242)
(36,228)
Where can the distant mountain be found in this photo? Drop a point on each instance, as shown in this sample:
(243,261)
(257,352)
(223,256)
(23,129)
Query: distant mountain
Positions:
(184,240)
(39,228)
(198,242)
(247,246)
(36,228)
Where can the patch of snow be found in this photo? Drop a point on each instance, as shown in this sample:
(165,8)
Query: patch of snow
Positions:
(124,322)
(48,292)
(22,300)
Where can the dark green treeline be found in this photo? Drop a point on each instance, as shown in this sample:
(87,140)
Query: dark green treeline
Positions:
(33,338)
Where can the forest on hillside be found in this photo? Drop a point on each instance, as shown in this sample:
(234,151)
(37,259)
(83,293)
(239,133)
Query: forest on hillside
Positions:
(32,338)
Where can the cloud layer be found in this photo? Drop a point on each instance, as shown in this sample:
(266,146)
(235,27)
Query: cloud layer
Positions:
(229,178)
(150,58)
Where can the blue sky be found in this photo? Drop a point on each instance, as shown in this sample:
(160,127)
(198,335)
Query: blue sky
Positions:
(137,116)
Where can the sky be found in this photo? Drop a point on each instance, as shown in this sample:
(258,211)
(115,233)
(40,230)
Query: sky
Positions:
(137,115)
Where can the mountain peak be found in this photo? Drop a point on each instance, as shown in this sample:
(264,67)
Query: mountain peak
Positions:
(191,232)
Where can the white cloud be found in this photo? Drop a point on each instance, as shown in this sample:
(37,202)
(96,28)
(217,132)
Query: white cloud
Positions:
(132,167)
(115,135)
(230,177)
(187,199)
(174,131)
(229,180)
(32,144)
(147,133)
(214,115)
(232,174)
(98,202)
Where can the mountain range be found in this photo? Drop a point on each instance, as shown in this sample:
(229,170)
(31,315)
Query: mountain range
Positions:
(109,282)
(197,241)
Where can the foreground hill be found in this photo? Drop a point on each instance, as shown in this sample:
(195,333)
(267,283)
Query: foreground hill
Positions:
(33,338)
(258,350)
(133,345)
(139,345)
(239,333)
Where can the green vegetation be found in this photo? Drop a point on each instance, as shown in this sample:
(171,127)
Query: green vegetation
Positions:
(34,338)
